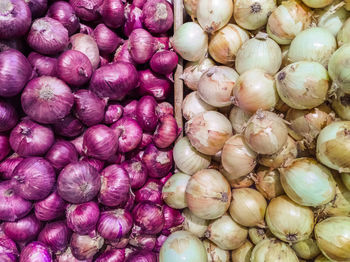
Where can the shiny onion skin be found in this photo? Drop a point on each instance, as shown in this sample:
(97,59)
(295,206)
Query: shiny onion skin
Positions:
(112,12)
(88,46)
(56,236)
(86,10)
(142,256)
(97,164)
(133,21)
(166,132)
(148,218)
(151,191)
(146,113)
(114,224)
(43,65)
(50,208)
(113,113)
(68,126)
(157,16)
(154,84)
(82,218)
(164,62)
(123,55)
(136,170)
(141,46)
(107,41)
(85,246)
(36,251)
(61,154)
(158,161)
(65,14)
(8,165)
(8,248)
(112,255)
(4,146)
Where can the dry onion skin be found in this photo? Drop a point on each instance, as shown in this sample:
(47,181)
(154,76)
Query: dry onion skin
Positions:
(208,132)
(224,44)
(341,104)
(173,192)
(239,118)
(194,224)
(347,5)
(215,253)
(273,251)
(191,7)
(343,36)
(256,235)
(226,233)
(194,70)
(303,85)
(317,3)
(208,194)
(243,253)
(322,258)
(193,105)
(268,182)
(338,68)
(248,207)
(289,221)
(242,182)
(333,146)
(345,177)
(266,132)
(333,238)
(306,249)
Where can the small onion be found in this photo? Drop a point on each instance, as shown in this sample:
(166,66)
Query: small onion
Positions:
(36,251)
(137,172)
(114,224)
(65,14)
(141,46)
(50,208)
(55,235)
(122,54)
(107,41)
(268,183)
(164,62)
(257,235)
(243,253)
(317,3)
(148,218)
(8,165)
(338,68)
(194,224)
(343,36)
(194,70)
(112,12)
(88,46)
(146,113)
(306,249)
(68,126)
(193,105)
(341,104)
(273,250)
(115,255)
(43,65)
(153,84)
(61,154)
(84,246)
(86,9)
(158,161)
(113,113)
(129,133)
(215,253)
(173,192)
(151,191)
(82,218)
(157,16)
(164,109)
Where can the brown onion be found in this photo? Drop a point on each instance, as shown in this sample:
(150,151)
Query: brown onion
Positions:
(215,253)
(273,250)
(173,192)
(306,249)
(85,246)
(268,182)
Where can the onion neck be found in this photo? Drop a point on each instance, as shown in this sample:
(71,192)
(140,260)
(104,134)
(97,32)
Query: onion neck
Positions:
(46,93)
(82,72)
(292,237)
(255,8)
(9,193)
(26,131)
(6,7)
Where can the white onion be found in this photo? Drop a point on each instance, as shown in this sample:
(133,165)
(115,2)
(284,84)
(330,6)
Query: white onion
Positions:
(191,8)
(347,5)
(239,119)
(317,3)
(339,68)
(343,35)
(193,105)
(194,224)
(285,50)
(194,70)
(268,182)
(243,253)
(273,251)
(215,253)
(257,235)
(322,258)
(306,249)
(345,177)
(173,192)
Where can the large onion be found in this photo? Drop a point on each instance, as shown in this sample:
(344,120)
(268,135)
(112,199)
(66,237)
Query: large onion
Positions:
(194,70)
(273,250)
(173,192)
(193,105)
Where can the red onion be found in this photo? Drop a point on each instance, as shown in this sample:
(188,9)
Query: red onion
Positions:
(12,206)
(142,256)
(137,172)
(130,109)
(158,161)
(112,255)
(31,139)
(114,224)
(64,13)
(144,242)
(139,3)
(154,84)
(115,186)
(157,16)
(131,201)
(33,178)
(114,80)
(120,243)
(8,165)
(162,43)
(164,109)
(8,248)
(61,154)
(15,70)
(23,230)
(15,18)
(67,256)
(50,208)
(56,236)
(151,191)
(43,65)
(107,41)
(100,142)
(133,19)
(88,46)
(35,252)
(47,99)
(113,113)
(164,62)
(4,146)
(37,7)
(11,44)
(85,246)
(8,116)
(74,68)
(145,141)
(47,36)
(172,219)
(129,133)
(123,55)
(112,12)
(78,144)
(146,113)
(141,46)
(69,126)
(159,242)
(82,218)
(78,183)
(148,218)
(97,164)
(85,29)
(86,9)
(166,132)
(104,60)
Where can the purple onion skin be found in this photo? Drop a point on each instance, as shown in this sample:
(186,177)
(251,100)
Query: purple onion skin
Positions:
(112,255)
(130,109)
(144,242)
(133,19)
(148,218)
(164,109)
(139,3)
(23,230)
(82,218)
(78,183)
(61,154)
(35,252)
(8,165)
(146,113)
(43,65)
(145,141)
(141,46)
(107,41)
(41,35)
(104,60)
(78,144)
(164,62)
(67,256)
(74,68)
(142,256)
(123,55)
(15,19)
(166,132)
(69,126)
(86,10)
(56,236)
(131,201)
(114,224)
(4,146)
(154,85)
(100,142)
(112,12)
(157,16)
(113,113)
(163,180)
(115,186)
(37,7)
(89,108)
(85,29)
(47,99)
(88,46)
(11,44)
(114,80)
(15,70)
(64,13)
(172,219)
(162,42)
(51,208)
(158,161)
(97,164)
(159,243)
(151,191)
(8,248)
(84,247)
(12,206)
(137,172)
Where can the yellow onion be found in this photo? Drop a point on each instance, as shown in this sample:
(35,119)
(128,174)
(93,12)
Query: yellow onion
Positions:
(216,84)
(347,5)
(243,253)
(322,258)
(242,182)
(226,233)
(194,70)
(252,14)
(224,44)
(268,182)
(289,221)
(173,192)
(237,158)
(257,235)
(345,177)
(193,105)
(287,20)
(255,89)
(317,3)
(208,188)
(266,132)
(194,224)
(215,253)
(287,153)
(343,36)
(239,118)
(248,207)
(273,251)
(333,146)
(214,14)
(208,132)
(187,158)
(306,249)
(339,68)
(333,238)
(191,7)
(341,104)
(259,52)
(315,44)
(303,85)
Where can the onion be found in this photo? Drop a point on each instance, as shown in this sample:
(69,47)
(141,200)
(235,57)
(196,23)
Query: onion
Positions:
(122,54)
(87,45)
(116,255)
(148,218)
(164,62)
(158,161)
(97,164)
(341,104)
(113,113)
(107,41)
(190,41)
(84,246)
(78,183)
(257,235)
(306,249)
(260,52)
(4,146)
(273,250)
(9,252)
(268,183)
(288,221)
(129,133)
(242,253)
(85,29)
(68,126)
(343,34)
(144,242)
(86,10)
(153,84)
(56,236)
(82,218)
(238,118)
(114,224)
(321,258)
(242,182)
(337,68)
(164,109)
(65,14)
(15,71)
(36,251)
(50,208)
(120,243)
(141,256)
(61,154)
(112,12)
(194,70)
(193,105)
(8,116)
(133,16)
(8,165)
(191,8)
(173,220)
(166,132)
(137,172)
(43,65)
(317,3)
(141,46)
(173,192)
(151,191)
(115,186)
(215,253)
(182,245)
(194,224)
(157,16)
(159,242)
(130,107)
(67,256)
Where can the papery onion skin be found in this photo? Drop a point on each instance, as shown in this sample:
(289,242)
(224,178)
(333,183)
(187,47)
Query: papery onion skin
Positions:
(148,218)
(166,132)
(157,16)
(268,182)
(67,256)
(113,113)
(257,235)
(151,191)
(238,119)
(88,46)
(191,8)
(215,253)
(158,161)
(9,252)
(153,84)
(341,104)
(62,153)
(145,242)
(273,250)
(65,14)
(112,12)
(115,255)
(106,39)
(317,3)
(114,224)
(133,16)
(173,192)
(306,249)
(56,236)
(243,253)
(84,246)
(193,105)
(194,224)
(8,165)
(194,70)
(338,68)
(43,65)
(84,13)
(36,251)
(82,218)
(68,126)
(50,208)
(137,172)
